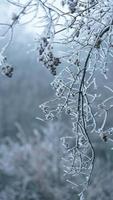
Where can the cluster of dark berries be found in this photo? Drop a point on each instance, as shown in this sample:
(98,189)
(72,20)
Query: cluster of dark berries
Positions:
(7,71)
(47,57)
(72,5)
(92,2)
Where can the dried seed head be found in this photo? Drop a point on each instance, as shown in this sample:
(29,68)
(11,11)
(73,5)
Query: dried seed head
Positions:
(47,57)
(72,5)
(7,71)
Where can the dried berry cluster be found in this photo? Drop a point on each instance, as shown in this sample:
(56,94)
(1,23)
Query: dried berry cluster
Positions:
(72,5)
(7,70)
(92,2)
(47,57)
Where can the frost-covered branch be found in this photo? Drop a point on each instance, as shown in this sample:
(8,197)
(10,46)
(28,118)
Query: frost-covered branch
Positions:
(83,32)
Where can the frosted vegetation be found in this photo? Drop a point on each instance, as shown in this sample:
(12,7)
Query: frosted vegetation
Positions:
(74,41)
(31,167)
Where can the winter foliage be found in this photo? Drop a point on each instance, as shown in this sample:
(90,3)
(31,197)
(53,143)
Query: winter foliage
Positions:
(74,41)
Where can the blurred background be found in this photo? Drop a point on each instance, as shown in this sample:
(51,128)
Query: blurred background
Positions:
(30,150)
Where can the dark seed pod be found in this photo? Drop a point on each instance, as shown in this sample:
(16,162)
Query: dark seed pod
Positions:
(8,71)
